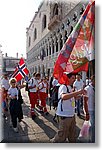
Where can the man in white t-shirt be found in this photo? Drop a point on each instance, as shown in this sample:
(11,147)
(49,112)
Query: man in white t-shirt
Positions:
(66,112)
(89,106)
(54,82)
(33,86)
(78,85)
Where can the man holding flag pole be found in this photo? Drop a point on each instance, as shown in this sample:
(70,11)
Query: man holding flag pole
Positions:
(68,63)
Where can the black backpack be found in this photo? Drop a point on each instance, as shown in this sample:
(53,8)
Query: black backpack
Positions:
(27,88)
(54,98)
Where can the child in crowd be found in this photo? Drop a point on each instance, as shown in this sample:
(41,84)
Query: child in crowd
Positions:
(14,103)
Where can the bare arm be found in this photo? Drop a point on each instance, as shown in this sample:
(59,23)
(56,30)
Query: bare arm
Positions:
(11,97)
(86,108)
(70,95)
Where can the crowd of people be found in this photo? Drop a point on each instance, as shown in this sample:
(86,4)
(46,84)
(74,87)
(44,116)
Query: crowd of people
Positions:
(77,96)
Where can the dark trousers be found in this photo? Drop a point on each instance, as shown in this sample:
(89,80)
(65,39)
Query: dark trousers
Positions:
(14,111)
(20,114)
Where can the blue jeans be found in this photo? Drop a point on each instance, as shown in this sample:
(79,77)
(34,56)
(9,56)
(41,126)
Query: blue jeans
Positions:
(92,127)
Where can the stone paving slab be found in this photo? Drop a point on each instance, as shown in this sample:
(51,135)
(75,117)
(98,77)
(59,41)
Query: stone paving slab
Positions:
(40,130)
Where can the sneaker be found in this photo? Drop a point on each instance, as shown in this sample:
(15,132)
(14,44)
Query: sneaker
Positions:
(78,115)
(52,140)
(15,129)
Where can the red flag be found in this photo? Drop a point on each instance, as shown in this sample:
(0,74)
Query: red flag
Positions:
(21,70)
(73,56)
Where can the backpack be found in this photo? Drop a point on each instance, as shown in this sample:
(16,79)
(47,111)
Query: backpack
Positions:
(27,88)
(54,97)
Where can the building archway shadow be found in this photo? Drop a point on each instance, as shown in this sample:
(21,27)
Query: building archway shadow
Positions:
(47,129)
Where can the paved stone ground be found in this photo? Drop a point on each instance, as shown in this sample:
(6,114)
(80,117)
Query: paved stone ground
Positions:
(41,130)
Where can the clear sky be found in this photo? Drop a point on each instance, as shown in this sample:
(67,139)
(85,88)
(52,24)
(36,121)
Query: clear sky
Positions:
(15,17)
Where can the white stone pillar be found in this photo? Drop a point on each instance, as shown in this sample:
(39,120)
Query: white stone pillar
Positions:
(54,39)
(58,43)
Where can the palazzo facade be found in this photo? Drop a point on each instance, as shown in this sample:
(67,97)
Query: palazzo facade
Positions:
(48,31)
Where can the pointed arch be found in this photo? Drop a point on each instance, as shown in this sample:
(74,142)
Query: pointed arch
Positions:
(44,22)
(35,34)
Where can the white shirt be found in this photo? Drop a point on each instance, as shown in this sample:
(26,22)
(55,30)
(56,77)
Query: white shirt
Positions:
(88,81)
(91,97)
(32,83)
(13,92)
(42,87)
(68,106)
(78,85)
(5,83)
(39,81)
(54,82)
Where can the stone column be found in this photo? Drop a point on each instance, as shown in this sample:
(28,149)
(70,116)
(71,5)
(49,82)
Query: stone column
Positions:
(54,39)
(58,37)
(63,37)
(48,46)
(51,46)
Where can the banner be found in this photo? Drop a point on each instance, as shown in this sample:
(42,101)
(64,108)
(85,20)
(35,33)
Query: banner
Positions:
(74,55)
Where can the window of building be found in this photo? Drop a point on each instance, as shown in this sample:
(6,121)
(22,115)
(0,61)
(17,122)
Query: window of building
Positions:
(65,37)
(55,10)
(29,42)
(75,17)
(44,22)
(82,9)
(71,29)
(49,49)
(35,34)
(61,42)
(68,22)
(42,54)
(58,30)
(52,47)
(56,45)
